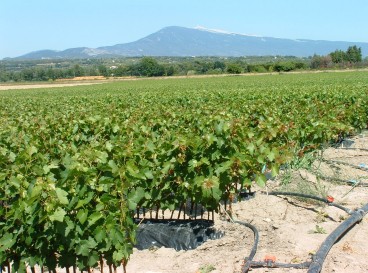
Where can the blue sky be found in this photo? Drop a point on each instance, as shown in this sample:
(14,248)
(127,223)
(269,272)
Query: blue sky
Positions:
(29,25)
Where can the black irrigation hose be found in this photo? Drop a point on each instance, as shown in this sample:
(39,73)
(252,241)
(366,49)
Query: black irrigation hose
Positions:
(339,232)
(304,265)
(324,200)
(255,264)
(345,181)
(356,149)
(316,265)
(347,164)
(249,259)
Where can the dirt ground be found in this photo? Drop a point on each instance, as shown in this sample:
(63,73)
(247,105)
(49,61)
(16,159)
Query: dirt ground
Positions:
(46,85)
(290,229)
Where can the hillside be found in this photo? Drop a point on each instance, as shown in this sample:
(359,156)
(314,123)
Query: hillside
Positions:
(181,41)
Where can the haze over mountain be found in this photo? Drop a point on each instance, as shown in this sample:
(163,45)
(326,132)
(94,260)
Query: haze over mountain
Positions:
(181,41)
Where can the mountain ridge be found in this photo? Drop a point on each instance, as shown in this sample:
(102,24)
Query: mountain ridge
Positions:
(199,41)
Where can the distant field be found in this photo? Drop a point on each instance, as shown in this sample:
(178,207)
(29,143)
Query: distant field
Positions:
(84,158)
(89,80)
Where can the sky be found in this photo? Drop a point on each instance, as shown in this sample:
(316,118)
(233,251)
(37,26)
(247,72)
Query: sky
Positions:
(31,25)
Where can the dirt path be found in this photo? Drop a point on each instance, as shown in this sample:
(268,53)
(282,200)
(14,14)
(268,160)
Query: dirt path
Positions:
(45,85)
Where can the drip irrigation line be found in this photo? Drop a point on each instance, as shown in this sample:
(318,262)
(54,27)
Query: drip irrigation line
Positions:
(248,260)
(347,164)
(355,149)
(303,265)
(339,232)
(267,263)
(324,200)
(346,181)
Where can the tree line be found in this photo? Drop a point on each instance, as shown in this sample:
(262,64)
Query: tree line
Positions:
(149,67)
(352,57)
(153,67)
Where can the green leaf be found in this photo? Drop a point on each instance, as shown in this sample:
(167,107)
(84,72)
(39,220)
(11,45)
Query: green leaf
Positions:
(47,168)
(70,226)
(2,176)
(109,146)
(32,150)
(261,180)
(135,196)
(216,194)
(82,216)
(114,167)
(7,241)
(99,234)
(62,196)
(219,127)
(12,157)
(58,215)
(118,255)
(275,170)
(224,167)
(204,160)
(260,159)
(14,181)
(102,157)
(271,155)
(115,128)
(94,217)
(166,167)
(198,180)
(83,248)
(117,236)
(36,191)
(93,259)
(251,147)
(132,168)
(148,174)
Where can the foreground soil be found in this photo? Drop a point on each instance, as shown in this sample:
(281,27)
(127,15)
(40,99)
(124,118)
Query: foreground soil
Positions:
(290,229)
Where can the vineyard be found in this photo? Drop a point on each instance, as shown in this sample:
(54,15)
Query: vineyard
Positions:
(78,163)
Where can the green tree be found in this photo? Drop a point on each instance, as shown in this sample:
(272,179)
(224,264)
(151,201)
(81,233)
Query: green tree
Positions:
(321,61)
(28,74)
(284,66)
(354,54)
(257,68)
(234,68)
(149,67)
(78,70)
(338,56)
(170,70)
(102,70)
(219,65)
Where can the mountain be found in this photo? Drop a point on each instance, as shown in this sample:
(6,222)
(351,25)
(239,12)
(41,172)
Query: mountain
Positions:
(181,41)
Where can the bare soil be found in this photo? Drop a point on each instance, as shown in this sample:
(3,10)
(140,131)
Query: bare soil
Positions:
(46,85)
(290,229)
